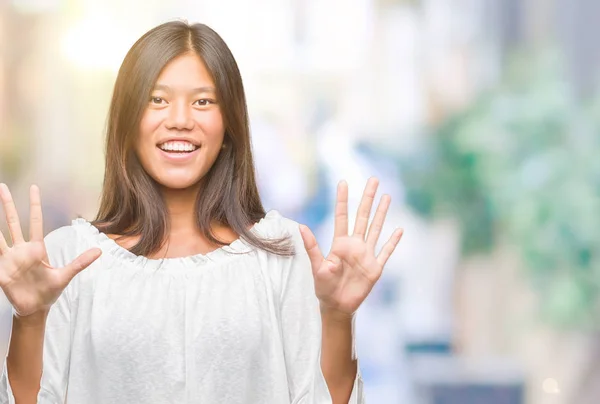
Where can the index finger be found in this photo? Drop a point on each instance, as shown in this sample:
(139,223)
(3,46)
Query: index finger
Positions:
(36,222)
(341,210)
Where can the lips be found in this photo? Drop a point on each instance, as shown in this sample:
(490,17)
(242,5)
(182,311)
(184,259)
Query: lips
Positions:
(178,146)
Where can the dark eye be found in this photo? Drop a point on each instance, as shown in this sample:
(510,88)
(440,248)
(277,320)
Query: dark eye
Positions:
(156,100)
(203,102)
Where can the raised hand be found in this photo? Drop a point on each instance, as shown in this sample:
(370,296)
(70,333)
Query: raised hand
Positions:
(29,282)
(346,276)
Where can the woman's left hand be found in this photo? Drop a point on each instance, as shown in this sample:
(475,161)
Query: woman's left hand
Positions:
(346,276)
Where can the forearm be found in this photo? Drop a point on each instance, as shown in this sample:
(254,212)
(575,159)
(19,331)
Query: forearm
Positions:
(337,362)
(25,357)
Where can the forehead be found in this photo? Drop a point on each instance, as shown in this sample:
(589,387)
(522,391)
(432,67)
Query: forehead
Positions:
(187,70)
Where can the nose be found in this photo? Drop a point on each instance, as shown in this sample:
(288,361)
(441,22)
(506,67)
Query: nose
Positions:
(180,117)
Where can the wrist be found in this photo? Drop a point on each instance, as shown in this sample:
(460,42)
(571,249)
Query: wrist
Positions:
(336,316)
(37,319)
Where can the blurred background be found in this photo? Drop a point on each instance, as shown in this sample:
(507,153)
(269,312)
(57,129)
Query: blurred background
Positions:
(480,117)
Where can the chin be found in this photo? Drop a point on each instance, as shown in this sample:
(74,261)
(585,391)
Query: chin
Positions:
(177,184)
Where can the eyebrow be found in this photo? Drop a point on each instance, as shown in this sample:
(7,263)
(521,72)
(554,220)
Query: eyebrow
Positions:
(197,90)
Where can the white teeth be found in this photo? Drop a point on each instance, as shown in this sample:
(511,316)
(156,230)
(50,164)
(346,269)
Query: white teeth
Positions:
(179,146)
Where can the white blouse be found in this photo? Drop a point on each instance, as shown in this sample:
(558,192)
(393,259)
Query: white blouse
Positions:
(236,325)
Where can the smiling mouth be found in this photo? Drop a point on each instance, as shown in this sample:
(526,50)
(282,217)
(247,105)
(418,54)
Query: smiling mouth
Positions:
(178,147)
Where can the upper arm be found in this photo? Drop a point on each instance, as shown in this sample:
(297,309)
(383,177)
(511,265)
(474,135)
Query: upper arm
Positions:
(57,332)
(57,351)
(301,329)
(301,326)
(62,247)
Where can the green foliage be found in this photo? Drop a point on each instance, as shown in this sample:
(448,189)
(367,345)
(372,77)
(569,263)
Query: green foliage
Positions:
(523,164)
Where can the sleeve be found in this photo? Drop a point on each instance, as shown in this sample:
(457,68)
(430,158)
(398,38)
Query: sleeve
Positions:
(301,330)
(57,338)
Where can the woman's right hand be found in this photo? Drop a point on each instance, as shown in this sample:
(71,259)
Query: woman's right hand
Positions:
(30,284)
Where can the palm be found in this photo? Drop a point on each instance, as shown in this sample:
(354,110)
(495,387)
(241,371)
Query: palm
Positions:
(30,284)
(347,275)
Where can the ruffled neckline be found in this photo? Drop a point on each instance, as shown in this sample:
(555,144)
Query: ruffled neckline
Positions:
(110,246)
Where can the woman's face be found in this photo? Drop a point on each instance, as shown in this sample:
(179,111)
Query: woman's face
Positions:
(182,130)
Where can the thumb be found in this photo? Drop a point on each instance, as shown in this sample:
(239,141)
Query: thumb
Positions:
(312,248)
(80,263)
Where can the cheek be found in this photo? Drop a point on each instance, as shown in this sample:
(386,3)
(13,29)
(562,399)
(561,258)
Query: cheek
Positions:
(150,121)
(145,142)
(213,127)
(142,142)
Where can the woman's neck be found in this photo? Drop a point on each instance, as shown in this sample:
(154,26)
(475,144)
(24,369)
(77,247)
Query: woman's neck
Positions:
(184,237)
(181,208)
